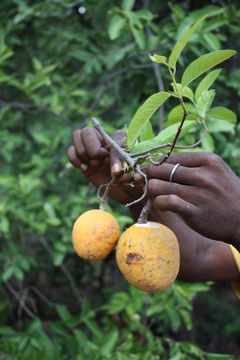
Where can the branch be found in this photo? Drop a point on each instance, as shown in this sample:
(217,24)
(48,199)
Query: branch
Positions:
(124,156)
(145,212)
(17,297)
(146,153)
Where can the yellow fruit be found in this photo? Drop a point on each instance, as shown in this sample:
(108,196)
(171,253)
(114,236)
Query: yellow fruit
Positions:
(95,233)
(148,256)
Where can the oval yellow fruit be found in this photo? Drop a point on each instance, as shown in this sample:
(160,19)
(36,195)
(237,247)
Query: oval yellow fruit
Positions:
(94,234)
(148,256)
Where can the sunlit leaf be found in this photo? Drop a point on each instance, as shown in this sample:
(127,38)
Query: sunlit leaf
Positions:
(182,43)
(206,82)
(205,63)
(143,114)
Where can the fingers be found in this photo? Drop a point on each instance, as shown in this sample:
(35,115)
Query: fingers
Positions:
(182,175)
(175,204)
(72,157)
(158,187)
(92,144)
(88,148)
(189,159)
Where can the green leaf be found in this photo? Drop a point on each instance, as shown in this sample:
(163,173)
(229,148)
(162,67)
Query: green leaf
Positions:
(183,91)
(212,41)
(222,113)
(206,82)
(176,114)
(8,273)
(220,126)
(164,136)
(182,43)
(186,318)
(110,341)
(147,132)
(208,143)
(139,37)
(143,114)
(58,258)
(157,59)
(205,63)
(127,5)
(116,24)
(204,102)
(213,356)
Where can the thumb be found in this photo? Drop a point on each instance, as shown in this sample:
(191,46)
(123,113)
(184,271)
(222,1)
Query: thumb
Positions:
(115,160)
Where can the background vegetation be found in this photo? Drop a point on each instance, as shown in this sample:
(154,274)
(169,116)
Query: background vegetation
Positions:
(62,62)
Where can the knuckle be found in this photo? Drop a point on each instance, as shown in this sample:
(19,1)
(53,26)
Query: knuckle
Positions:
(153,186)
(213,160)
(172,200)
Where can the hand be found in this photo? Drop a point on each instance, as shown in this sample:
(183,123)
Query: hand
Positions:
(90,154)
(204,191)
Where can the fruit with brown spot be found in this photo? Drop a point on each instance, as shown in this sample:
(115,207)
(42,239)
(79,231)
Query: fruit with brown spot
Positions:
(94,234)
(148,256)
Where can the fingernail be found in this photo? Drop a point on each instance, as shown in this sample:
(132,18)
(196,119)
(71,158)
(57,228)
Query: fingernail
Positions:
(116,169)
(83,167)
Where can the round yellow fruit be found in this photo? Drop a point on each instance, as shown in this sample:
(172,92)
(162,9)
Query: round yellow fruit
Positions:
(94,234)
(148,256)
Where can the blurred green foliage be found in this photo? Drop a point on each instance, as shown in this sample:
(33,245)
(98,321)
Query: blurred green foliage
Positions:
(62,62)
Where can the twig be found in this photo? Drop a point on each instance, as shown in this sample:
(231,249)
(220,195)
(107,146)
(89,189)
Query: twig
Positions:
(146,153)
(18,297)
(145,212)
(124,156)
(105,194)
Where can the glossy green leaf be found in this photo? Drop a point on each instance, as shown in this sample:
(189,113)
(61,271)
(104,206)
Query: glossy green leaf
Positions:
(204,102)
(143,114)
(182,43)
(205,63)
(222,113)
(116,24)
(206,82)
(158,59)
(166,135)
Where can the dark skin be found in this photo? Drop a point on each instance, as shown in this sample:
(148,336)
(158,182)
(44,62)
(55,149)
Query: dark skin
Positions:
(201,205)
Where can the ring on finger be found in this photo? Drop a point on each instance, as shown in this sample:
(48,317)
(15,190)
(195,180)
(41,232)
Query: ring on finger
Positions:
(173,172)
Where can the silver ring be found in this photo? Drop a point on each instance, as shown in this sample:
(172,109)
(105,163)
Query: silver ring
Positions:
(173,172)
